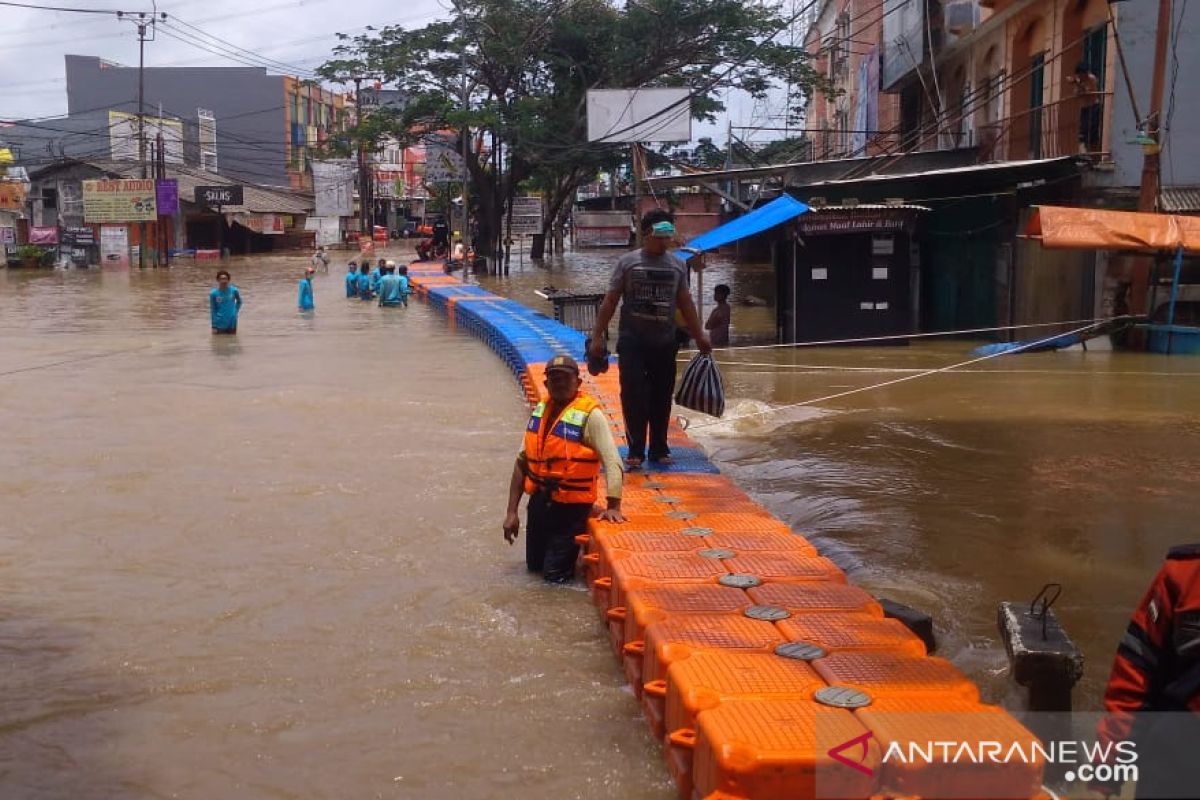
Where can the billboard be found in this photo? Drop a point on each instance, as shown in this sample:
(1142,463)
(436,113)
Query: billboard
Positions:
(123,137)
(333,184)
(122,200)
(639,115)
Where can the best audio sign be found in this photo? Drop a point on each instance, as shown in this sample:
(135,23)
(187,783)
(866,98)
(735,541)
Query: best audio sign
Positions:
(217,196)
(119,201)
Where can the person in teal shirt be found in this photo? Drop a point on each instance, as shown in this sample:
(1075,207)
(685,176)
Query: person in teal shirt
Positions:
(352,279)
(376,274)
(306,290)
(224,303)
(405,287)
(390,293)
(364,281)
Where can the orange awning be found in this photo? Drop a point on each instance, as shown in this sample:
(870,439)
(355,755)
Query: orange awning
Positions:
(1098,229)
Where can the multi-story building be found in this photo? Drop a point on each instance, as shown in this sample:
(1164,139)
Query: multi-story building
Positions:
(978,110)
(240,121)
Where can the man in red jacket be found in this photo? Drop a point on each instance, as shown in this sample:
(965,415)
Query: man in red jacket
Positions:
(1153,694)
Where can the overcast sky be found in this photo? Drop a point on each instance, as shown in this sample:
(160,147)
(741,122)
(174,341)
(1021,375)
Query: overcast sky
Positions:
(299,33)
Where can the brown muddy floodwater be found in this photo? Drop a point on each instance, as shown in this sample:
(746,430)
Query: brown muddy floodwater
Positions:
(270,566)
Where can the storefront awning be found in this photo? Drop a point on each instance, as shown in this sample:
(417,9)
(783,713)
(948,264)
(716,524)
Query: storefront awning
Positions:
(760,219)
(1062,227)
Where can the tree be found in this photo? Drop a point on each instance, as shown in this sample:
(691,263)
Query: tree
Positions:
(524,68)
(708,155)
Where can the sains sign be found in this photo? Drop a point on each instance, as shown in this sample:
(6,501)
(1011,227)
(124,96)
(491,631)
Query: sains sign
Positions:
(214,196)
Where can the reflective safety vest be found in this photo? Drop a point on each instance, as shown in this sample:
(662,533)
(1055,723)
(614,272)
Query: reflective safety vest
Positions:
(556,458)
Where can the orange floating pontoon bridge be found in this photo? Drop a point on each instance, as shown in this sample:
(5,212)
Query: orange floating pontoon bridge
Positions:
(763,672)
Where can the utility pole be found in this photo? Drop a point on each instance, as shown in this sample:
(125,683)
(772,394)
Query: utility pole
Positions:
(141,29)
(1151,173)
(364,223)
(636,172)
(465,233)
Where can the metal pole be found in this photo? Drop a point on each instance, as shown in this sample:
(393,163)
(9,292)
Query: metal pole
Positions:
(142,128)
(1151,175)
(464,234)
(364,229)
(635,151)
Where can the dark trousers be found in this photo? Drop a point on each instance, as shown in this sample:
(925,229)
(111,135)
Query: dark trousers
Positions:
(550,533)
(647,383)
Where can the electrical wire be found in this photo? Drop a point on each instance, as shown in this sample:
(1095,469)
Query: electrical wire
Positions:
(36,7)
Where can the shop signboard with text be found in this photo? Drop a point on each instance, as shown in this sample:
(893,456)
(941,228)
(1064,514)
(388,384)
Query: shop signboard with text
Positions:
(166,194)
(122,200)
(217,196)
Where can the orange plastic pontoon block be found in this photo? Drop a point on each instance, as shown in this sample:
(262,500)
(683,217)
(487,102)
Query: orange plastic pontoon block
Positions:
(777,750)
(648,605)
(900,724)
(856,631)
(889,674)
(676,638)
(705,680)
(811,596)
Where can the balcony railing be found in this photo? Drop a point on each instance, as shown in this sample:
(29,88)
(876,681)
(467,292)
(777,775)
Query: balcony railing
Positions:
(1070,126)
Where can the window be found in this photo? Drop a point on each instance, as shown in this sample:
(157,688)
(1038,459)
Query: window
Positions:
(49,198)
(1037,83)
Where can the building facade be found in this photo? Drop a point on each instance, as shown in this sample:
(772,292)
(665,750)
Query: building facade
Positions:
(1035,102)
(239,121)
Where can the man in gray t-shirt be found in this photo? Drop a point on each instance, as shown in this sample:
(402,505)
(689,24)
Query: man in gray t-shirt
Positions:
(653,284)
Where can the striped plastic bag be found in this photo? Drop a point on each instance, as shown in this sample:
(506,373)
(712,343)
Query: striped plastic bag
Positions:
(700,388)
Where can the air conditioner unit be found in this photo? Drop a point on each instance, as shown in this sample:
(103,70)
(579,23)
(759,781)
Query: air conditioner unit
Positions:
(961,16)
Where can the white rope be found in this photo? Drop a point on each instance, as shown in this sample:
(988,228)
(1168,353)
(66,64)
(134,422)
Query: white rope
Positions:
(817,369)
(894,337)
(892,382)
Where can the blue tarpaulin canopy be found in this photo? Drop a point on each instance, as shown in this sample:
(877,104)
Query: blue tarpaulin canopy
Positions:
(773,213)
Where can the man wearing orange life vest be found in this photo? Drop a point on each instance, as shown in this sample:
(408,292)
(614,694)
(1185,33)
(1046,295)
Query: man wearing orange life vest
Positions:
(1153,694)
(566,440)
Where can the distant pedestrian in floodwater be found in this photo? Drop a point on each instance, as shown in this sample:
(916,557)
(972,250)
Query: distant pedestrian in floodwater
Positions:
(224,303)
(364,281)
(352,279)
(390,293)
(718,321)
(405,286)
(306,290)
(321,259)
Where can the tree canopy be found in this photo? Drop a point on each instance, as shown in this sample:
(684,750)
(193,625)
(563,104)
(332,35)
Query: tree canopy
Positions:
(516,73)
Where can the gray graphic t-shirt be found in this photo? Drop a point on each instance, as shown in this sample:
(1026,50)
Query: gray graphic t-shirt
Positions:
(649,285)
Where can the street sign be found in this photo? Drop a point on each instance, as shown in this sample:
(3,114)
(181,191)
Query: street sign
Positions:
(526,216)
(219,195)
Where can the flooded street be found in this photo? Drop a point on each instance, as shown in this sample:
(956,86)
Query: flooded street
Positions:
(271,565)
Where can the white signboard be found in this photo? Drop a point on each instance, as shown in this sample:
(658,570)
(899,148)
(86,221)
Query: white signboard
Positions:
(333,184)
(639,115)
(328,229)
(114,245)
(527,214)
